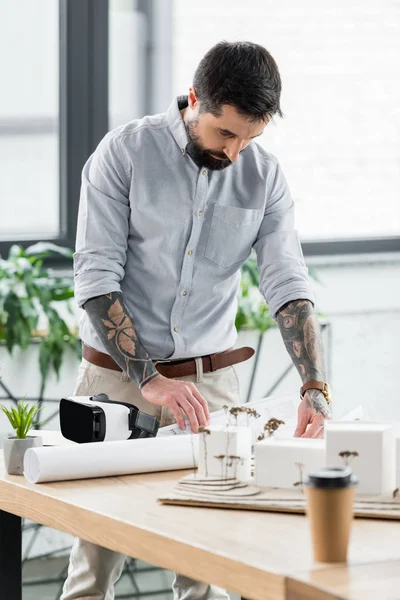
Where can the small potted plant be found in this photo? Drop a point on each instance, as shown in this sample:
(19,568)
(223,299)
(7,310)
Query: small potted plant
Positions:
(21,419)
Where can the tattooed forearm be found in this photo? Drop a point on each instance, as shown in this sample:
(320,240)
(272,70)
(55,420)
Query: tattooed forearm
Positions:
(302,337)
(114,326)
(315,399)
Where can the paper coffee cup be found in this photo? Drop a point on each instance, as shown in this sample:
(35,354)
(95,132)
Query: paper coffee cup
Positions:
(330,498)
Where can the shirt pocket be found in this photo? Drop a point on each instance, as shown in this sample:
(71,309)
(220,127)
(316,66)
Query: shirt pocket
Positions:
(233,231)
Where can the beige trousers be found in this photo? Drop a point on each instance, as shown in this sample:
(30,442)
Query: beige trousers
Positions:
(93,570)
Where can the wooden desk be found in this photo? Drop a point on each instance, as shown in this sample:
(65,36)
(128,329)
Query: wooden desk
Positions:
(378,581)
(262,556)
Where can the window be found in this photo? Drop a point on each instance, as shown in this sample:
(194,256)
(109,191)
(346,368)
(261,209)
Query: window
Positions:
(126,56)
(53,113)
(339,143)
(29,157)
(74,69)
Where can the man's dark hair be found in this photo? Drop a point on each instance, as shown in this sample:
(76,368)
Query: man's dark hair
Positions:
(241,74)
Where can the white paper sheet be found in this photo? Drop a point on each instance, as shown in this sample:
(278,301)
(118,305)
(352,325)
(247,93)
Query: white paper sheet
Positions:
(282,407)
(103,459)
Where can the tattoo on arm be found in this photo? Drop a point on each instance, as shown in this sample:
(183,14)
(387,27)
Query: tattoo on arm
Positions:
(114,326)
(302,337)
(316,400)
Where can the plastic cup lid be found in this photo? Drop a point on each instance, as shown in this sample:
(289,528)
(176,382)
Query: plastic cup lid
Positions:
(332,477)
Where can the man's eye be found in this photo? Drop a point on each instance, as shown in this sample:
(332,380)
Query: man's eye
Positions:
(224,134)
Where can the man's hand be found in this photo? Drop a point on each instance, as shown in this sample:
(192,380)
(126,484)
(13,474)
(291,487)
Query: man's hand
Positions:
(313,410)
(178,396)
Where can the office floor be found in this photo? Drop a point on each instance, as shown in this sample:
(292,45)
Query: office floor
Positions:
(39,574)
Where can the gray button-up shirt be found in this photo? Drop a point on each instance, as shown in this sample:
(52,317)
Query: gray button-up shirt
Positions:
(172,236)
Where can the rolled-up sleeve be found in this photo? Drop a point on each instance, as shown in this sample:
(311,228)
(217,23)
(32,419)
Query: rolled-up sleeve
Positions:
(103,223)
(283,273)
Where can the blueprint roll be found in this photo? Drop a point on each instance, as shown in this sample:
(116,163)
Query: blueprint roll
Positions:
(105,459)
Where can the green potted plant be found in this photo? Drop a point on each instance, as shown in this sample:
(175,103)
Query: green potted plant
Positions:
(30,293)
(21,419)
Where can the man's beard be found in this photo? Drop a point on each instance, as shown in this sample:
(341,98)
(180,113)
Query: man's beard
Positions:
(201,156)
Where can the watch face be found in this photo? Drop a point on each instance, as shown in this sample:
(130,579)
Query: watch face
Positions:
(327,393)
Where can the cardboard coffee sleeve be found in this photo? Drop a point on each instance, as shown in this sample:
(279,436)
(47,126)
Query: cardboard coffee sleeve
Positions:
(330,495)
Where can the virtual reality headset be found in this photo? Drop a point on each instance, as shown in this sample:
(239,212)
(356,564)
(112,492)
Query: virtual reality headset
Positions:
(96,418)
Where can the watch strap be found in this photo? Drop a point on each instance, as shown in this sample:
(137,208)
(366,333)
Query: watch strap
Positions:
(313,384)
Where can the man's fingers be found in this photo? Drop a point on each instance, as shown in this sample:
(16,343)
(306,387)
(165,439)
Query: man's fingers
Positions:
(194,412)
(302,422)
(176,410)
(315,429)
(204,404)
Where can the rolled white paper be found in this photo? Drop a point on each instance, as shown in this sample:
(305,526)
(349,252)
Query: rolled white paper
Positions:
(104,459)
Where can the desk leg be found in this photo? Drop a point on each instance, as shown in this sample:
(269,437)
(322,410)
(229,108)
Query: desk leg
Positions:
(10,556)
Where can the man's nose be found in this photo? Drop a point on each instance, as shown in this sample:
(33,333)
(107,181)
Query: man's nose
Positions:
(233,149)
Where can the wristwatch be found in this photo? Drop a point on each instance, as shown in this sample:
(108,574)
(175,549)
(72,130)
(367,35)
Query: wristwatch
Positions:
(322,386)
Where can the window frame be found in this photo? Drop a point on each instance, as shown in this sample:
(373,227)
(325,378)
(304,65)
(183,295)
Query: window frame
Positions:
(376,245)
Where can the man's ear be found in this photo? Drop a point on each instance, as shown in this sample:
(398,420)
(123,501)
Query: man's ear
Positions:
(192,98)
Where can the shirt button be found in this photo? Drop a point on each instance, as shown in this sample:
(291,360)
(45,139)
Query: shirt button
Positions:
(190,252)
(204,172)
(176,329)
(200,213)
(184,293)
(183,150)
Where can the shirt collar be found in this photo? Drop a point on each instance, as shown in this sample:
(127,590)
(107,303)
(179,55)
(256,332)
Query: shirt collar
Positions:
(175,122)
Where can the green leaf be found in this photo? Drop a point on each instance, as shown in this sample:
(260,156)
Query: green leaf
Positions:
(44,359)
(58,295)
(44,249)
(15,251)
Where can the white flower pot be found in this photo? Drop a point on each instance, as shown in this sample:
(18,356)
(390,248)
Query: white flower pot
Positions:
(14,451)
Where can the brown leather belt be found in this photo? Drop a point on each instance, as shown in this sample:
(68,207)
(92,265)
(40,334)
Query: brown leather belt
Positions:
(176,368)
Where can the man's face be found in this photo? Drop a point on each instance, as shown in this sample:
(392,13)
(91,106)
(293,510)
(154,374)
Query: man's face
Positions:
(216,142)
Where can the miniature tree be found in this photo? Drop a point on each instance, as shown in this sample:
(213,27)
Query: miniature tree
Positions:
(193,456)
(348,456)
(233,460)
(270,427)
(203,434)
(221,458)
(300,467)
(235,411)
